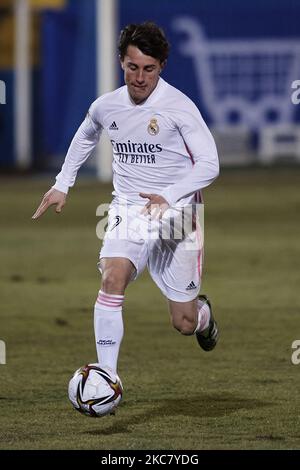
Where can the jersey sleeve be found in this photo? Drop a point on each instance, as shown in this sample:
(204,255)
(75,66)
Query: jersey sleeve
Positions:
(202,150)
(81,147)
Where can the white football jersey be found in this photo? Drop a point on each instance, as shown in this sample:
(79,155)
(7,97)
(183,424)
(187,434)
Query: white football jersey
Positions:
(161,146)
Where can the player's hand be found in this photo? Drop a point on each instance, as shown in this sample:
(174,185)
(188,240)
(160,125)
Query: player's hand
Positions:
(52,197)
(156,206)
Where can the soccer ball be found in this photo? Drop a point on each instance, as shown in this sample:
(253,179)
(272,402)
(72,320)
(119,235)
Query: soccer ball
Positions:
(95,391)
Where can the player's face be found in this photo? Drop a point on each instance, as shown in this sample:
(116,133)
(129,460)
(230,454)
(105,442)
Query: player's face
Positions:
(141,73)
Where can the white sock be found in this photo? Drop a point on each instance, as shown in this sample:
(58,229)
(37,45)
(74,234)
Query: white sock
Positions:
(203,316)
(108,326)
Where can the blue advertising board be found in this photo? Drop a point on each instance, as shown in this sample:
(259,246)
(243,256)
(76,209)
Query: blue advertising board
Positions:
(235,60)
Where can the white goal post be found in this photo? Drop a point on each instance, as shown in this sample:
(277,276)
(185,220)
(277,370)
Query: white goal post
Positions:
(106,80)
(106,75)
(22,86)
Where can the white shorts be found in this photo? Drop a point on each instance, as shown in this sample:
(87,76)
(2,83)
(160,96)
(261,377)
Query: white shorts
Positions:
(174,262)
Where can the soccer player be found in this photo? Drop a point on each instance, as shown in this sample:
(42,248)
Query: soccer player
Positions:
(163,155)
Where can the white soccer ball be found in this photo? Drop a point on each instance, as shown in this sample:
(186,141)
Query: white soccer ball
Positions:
(95,391)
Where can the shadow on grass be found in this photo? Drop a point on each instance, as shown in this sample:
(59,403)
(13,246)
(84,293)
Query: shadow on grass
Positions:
(197,406)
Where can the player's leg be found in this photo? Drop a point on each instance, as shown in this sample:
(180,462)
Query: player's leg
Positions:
(108,317)
(176,267)
(184,316)
(195,317)
(116,274)
(120,262)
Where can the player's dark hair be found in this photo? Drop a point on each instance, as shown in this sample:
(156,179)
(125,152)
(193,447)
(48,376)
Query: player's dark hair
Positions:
(148,37)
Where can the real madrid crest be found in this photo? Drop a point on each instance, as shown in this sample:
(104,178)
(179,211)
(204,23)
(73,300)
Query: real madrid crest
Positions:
(153,127)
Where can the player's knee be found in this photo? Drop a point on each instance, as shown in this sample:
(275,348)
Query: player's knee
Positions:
(184,326)
(113,281)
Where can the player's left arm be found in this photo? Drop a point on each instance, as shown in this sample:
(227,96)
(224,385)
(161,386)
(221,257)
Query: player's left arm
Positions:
(203,153)
(156,206)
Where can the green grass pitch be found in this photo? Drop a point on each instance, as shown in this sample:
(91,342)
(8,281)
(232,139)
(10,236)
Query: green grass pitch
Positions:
(242,395)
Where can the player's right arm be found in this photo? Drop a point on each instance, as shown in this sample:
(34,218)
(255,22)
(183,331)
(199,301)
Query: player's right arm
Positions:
(81,147)
(52,197)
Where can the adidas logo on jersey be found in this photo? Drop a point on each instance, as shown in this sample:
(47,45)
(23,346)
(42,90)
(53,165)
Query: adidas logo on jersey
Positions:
(191,286)
(113,126)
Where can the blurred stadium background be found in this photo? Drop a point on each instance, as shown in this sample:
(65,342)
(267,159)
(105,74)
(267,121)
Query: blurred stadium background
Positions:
(237,61)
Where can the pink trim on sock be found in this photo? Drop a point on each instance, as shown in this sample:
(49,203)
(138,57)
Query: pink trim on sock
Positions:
(110,300)
(203,317)
(113,302)
(203,320)
(111,296)
(102,302)
(107,299)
